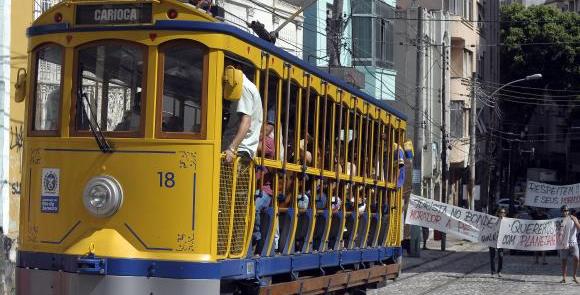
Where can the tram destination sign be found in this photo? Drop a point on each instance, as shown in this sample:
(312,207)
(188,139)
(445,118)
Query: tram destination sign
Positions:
(117,14)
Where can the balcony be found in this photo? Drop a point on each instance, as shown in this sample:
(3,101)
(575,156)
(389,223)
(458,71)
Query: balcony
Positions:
(464,30)
(459,89)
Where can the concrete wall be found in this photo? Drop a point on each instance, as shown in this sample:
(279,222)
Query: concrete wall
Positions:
(5,10)
(18,59)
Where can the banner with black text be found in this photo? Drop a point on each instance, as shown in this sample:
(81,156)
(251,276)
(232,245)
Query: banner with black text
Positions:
(532,235)
(545,195)
(463,223)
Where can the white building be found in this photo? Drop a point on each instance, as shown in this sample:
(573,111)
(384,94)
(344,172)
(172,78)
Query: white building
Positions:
(271,13)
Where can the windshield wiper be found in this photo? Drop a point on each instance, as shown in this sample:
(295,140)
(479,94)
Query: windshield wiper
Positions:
(101,140)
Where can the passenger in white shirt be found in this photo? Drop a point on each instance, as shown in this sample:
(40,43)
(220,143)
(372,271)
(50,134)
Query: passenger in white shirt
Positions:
(242,133)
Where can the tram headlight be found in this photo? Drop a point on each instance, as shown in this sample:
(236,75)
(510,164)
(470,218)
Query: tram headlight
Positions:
(103,196)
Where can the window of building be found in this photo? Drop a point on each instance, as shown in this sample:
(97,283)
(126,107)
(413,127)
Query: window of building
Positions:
(110,82)
(375,30)
(468,10)
(183,64)
(457,114)
(362,36)
(467,63)
(41,6)
(48,84)
(362,6)
(384,42)
(463,8)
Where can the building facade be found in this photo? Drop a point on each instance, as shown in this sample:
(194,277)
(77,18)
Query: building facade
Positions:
(471,54)
(373,53)
(434,93)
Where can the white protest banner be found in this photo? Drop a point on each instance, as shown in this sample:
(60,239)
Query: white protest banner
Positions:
(532,235)
(466,224)
(545,195)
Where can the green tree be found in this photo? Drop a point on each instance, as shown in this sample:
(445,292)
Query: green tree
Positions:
(540,39)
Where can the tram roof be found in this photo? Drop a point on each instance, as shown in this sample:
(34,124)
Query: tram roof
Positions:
(223,28)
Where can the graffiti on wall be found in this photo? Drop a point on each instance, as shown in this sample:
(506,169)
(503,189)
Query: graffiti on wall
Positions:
(16,149)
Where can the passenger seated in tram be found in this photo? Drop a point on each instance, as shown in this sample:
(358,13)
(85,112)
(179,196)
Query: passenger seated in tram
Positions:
(263,196)
(171,123)
(132,118)
(50,121)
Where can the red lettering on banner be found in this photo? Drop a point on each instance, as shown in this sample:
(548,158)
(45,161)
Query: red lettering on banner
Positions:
(426,217)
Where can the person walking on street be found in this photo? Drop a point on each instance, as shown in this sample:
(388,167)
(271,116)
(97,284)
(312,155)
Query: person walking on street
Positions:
(570,226)
(425,232)
(492,251)
(539,214)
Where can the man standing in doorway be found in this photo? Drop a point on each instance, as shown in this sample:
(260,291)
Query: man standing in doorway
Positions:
(241,135)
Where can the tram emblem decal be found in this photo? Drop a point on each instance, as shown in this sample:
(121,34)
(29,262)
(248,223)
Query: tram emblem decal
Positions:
(50,190)
(50,182)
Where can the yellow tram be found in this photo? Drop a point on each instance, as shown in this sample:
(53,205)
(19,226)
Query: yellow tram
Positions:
(126,190)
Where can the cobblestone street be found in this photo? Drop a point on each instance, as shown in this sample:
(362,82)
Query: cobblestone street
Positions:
(466,270)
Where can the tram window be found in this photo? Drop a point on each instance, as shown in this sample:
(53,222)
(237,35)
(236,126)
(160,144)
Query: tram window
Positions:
(240,63)
(325,131)
(47,88)
(271,116)
(110,86)
(291,117)
(183,86)
(229,106)
(306,133)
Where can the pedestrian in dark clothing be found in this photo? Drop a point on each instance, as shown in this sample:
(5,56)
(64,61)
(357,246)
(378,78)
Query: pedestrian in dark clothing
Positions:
(425,232)
(492,251)
(539,214)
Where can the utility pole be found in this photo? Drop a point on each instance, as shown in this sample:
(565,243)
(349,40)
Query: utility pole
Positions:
(473,116)
(443,137)
(416,233)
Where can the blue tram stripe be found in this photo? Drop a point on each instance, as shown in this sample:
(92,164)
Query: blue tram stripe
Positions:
(224,29)
(224,269)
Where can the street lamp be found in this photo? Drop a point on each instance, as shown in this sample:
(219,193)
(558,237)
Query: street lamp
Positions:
(509,183)
(527,78)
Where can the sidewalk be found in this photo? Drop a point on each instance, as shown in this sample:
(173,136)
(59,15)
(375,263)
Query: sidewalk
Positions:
(434,252)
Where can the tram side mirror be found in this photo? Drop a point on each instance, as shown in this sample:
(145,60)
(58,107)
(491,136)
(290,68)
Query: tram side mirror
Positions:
(233,79)
(20,85)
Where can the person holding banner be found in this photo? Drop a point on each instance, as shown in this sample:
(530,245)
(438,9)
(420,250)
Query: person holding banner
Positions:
(571,226)
(539,214)
(500,213)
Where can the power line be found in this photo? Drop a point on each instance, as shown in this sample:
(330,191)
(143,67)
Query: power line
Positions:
(534,88)
(485,21)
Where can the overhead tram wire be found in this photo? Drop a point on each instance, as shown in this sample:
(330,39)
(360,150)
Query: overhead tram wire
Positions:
(438,126)
(479,21)
(538,100)
(539,95)
(533,88)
